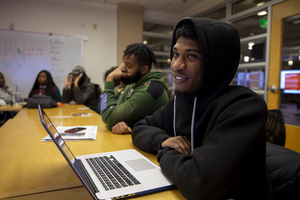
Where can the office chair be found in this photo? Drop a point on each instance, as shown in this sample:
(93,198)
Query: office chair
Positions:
(275,127)
(283,167)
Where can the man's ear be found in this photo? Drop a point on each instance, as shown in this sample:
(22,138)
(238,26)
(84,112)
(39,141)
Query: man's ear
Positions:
(145,69)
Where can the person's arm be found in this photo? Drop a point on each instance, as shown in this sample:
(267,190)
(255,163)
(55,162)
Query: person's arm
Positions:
(82,96)
(228,149)
(140,104)
(148,134)
(57,96)
(67,93)
(66,96)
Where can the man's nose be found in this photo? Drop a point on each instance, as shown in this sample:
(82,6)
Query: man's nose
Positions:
(123,67)
(178,64)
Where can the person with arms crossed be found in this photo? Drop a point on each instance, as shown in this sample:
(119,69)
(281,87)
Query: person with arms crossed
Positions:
(210,136)
(144,93)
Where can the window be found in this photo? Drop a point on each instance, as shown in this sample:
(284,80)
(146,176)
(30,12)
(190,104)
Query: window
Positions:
(250,17)
(243,5)
(253,51)
(253,25)
(159,38)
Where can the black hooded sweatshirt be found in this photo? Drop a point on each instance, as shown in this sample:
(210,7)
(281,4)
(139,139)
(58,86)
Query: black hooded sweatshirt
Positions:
(225,124)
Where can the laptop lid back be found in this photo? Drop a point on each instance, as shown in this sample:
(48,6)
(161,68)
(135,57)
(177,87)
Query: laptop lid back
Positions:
(62,146)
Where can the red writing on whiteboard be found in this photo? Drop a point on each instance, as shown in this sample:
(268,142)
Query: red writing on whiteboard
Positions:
(10,50)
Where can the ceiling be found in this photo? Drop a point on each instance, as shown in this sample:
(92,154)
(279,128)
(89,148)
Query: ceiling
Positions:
(291,41)
(174,7)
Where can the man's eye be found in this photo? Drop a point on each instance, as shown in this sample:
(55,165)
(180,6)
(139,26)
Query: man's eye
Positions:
(192,56)
(175,55)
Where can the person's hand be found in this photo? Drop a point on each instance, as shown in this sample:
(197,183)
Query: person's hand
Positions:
(118,73)
(68,81)
(121,128)
(180,143)
(77,79)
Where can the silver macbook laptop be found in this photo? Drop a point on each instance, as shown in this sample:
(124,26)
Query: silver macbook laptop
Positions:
(111,175)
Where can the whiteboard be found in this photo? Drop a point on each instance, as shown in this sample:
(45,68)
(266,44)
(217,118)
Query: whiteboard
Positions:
(23,55)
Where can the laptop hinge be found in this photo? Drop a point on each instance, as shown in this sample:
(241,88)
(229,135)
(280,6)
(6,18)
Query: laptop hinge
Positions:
(86,176)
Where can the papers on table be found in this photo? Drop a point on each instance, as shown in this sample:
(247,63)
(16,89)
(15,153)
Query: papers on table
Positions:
(89,133)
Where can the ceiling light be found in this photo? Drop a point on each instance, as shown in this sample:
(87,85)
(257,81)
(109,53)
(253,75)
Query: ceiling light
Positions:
(246,58)
(262,13)
(260,4)
(290,63)
(145,42)
(250,45)
(296,22)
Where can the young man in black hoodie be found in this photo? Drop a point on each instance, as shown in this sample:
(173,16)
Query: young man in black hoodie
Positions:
(210,136)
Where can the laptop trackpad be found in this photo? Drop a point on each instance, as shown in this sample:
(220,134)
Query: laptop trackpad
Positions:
(139,165)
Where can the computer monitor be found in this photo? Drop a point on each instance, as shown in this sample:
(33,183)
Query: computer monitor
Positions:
(290,81)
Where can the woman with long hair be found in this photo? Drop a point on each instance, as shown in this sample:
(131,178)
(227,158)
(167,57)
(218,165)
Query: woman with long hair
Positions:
(44,85)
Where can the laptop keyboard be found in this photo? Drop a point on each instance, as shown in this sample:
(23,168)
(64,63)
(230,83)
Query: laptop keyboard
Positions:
(111,173)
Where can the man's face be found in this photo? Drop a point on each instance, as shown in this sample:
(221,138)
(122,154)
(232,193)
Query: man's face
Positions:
(186,65)
(131,66)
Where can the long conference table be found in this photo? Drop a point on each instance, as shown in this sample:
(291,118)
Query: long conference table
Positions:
(31,169)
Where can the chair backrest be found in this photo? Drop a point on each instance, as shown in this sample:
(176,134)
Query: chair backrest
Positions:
(283,167)
(275,127)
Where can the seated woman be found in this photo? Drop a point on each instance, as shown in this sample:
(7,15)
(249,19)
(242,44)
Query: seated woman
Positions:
(80,90)
(44,85)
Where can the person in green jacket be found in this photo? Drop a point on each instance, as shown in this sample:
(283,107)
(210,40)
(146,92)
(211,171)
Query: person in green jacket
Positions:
(145,91)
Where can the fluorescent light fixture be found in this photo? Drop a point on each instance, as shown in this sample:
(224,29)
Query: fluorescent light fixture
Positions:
(250,45)
(262,13)
(260,4)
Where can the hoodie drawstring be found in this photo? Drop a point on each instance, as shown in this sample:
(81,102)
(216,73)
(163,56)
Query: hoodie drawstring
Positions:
(192,124)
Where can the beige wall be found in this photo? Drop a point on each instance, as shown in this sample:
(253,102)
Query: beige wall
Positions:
(130,27)
(69,17)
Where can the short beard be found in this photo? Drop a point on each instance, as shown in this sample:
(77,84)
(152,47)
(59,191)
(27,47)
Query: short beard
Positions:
(132,79)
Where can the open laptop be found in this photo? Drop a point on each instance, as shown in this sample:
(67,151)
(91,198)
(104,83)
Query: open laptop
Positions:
(130,174)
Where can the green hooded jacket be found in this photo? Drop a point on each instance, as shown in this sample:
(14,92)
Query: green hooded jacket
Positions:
(137,101)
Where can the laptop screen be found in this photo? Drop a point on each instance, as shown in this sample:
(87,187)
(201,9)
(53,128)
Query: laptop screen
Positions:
(55,135)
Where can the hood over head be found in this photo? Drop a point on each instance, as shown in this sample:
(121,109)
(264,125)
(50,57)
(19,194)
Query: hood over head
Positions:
(220,50)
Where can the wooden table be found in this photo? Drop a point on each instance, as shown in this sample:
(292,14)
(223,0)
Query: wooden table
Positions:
(15,107)
(64,111)
(8,108)
(31,169)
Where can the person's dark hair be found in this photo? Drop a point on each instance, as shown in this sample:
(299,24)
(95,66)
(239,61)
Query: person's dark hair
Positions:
(142,52)
(50,83)
(116,82)
(3,77)
(186,30)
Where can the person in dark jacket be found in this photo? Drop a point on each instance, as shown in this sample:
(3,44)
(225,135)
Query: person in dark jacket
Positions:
(79,89)
(210,136)
(44,85)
